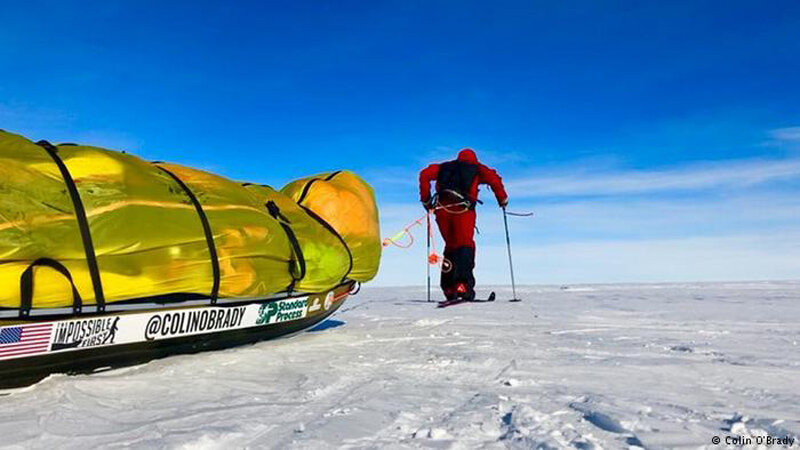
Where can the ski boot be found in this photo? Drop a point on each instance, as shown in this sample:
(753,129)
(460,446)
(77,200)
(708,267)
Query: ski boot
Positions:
(464,293)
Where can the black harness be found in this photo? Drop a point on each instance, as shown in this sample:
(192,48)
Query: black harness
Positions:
(454,183)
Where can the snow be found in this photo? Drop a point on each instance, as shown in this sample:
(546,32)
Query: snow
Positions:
(612,366)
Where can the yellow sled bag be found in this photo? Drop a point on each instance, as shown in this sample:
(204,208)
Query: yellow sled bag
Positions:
(83,227)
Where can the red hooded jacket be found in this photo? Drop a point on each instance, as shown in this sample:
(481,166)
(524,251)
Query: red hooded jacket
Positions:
(486,175)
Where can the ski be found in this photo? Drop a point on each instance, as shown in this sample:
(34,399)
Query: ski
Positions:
(458,301)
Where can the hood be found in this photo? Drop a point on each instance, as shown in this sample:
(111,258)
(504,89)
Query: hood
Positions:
(468,155)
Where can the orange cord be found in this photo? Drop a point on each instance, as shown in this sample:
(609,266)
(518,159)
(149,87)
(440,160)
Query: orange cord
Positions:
(433,258)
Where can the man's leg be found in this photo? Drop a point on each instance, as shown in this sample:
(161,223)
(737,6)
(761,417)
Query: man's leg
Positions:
(445,222)
(464,231)
(464,263)
(447,282)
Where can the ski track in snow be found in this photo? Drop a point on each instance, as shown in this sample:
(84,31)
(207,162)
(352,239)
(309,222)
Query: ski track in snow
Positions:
(613,366)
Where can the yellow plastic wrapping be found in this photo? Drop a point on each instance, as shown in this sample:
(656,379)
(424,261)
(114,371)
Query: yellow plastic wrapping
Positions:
(149,239)
(33,197)
(347,203)
(326,258)
(253,251)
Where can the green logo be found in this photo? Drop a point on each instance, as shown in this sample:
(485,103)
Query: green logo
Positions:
(282,311)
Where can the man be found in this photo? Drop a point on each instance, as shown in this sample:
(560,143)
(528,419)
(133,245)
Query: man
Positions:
(457,184)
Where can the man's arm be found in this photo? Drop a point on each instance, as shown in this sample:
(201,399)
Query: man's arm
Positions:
(489,176)
(427,175)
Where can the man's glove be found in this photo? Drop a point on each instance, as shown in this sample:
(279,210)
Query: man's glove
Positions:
(428,204)
(503,203)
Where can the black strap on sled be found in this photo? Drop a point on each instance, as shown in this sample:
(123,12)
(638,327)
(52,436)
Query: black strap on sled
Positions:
(305,190)
(330,228)
(83,224)
(330,177)
(212,247)
(297,261)
(310,182)
(316,217)
(26,286)
(322,221)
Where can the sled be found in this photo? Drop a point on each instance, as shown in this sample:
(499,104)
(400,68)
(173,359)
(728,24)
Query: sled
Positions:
(107,259)
(30,350)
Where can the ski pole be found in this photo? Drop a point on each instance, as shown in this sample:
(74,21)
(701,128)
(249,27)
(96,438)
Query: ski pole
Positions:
(428,254)
(520,214)
(510,262)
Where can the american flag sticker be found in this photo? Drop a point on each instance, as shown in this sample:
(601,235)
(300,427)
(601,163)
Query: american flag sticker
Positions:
(23,340)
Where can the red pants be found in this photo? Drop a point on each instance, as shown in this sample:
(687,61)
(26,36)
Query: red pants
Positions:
(458,231)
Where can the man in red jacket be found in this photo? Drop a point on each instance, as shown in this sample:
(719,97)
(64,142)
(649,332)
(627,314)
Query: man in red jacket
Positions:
(456,195)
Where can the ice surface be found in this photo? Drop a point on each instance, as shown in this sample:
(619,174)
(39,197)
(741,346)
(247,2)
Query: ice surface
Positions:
(656,366)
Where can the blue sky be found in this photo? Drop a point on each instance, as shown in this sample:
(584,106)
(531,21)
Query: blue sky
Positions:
(655,142)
